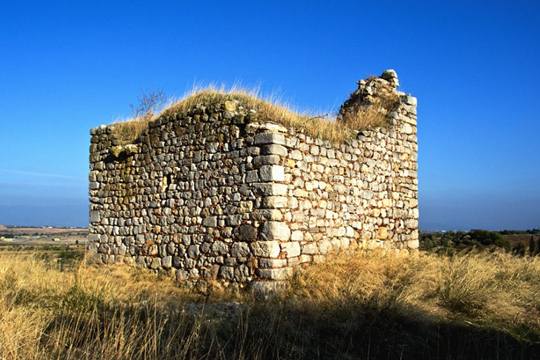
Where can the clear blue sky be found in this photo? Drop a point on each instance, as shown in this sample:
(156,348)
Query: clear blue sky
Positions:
(68,66)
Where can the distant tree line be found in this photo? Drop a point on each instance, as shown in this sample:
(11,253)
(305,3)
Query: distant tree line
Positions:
(512,232)
(453,241)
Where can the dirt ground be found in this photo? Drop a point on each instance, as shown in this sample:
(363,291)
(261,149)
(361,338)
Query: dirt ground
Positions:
(42,236)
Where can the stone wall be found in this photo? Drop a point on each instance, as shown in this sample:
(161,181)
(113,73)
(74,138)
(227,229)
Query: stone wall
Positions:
(216,193)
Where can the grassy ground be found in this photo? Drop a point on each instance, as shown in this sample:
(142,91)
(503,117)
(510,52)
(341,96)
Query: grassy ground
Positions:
(483,306)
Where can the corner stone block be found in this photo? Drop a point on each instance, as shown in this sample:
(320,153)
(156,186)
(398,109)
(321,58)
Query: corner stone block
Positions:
(269,138)
(276,230)
(93,238)
(274,149)
(267,214)
(275,274)
(268,249)
(410,100)
(272,173)
(275,202)
(266,160)
(267,189)
(413,244)
(95,217)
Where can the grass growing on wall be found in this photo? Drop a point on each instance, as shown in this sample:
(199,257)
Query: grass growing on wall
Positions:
(471,306)
(325,127)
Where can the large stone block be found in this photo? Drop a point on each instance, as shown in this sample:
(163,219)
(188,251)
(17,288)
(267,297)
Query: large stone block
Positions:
(266,160)
(275,202)
(274,149)
(267,263)
(269,189)
(268,249)
(297,235)
(95,216)
(269,138)
(272,173)
(276,274)
(290,249)
(413,244)
(247,233)
(276,230)
(226,272)
(94,237)
(166,262)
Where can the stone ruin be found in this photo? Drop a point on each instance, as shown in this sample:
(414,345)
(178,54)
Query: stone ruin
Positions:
(216,192)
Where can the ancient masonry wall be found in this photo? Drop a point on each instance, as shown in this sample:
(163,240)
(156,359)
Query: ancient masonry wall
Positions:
(216,193)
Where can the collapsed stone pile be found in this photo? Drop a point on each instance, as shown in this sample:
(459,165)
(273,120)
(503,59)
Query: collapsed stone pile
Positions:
(218,193)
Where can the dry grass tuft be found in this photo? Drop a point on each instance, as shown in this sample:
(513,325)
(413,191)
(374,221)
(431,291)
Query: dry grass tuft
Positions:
(270,109)
(490,287)
(128,130)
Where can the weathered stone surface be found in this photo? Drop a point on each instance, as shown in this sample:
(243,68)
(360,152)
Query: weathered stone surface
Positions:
(227,272)
(382,233)
(193,251)
(166,262)
(290,249)
(210,221)
(267,263)
(240,250)
(274,149)
(95,216)
(267,214)
(247,233)
(272,173)
(126,150)
(219,247)
(269,189)
(270,138)
(297,235)
(266,160)
(390,75)
(275,202)
(269,249)
(276,230)
(275,274)
(413,244)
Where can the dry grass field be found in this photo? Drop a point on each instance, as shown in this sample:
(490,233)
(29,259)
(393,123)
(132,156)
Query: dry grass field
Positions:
(376,306)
